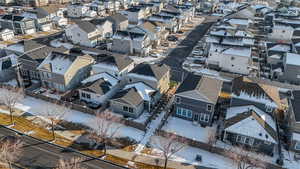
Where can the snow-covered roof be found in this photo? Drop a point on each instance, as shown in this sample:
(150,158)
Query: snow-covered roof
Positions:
(250,125)
(107,77)
(238,51)
(8,61)
(280,47)
(293,59)
(144,90)
(259,99)
(239,21)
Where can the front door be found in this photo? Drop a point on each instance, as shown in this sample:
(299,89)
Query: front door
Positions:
(196,117)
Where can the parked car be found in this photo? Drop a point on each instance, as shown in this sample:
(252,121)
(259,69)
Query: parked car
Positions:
(40,91)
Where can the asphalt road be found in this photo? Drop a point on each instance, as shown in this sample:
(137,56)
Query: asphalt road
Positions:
(41,155)
(177,56)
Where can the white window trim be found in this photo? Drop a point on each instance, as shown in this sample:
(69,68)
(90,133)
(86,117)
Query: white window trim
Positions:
(297,145)
(178,100)
(209,105)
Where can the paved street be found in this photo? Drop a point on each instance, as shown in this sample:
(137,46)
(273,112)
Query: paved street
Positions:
(177,56)
(40,155)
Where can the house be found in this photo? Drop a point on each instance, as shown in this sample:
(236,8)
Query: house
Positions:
(276,52)
(291,68)
(251,127)
(170,22)
(41,17)
(228,58)
(135,14)
(119,22)
(155,75)
(293,119)
(246,92)
(241,23)
(134,99)
(77,10)
(84,33)
(19,24)
(117,66)
(6,34)
(64,72)
(33,55)
(281,33)
(196,99)
(97,88)
(105,27)
(8,62)
(127,42)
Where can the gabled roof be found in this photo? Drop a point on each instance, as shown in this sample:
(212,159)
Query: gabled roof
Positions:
(117,18)
(251,121)
(86,26)
(153,70)
(120,62)
(202,88)
(130,97)
(245,89)
(39,54)
(41,13)
(99,83)
(143,89)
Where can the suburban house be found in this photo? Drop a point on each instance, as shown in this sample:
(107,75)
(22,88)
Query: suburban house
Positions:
(77,10)
(196,99)
(134,99)
(19,24)
(119,22)
(6,34)
(291,68)
(251,127)
(135,14)
(281,33)
(155,75)
(116,65)
(8,62)
(293,119)
(63,72)
(98,88)
(42,18)
(34,54)
(84,33)
(228,58)
(104,26)
(170,22)
(246,92)
(128,42)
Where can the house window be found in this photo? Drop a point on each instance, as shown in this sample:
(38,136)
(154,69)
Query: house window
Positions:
(196,117)
(209,108)
(130,109)
(204,117)
(232,58)
(125,108)
(298,76)
(83,94)
(178,100)
(244,140)
(297,146)
(88,96)
(267,142)
(184,112)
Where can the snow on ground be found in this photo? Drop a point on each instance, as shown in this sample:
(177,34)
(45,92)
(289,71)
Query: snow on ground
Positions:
(36,106)
(289,161)
(139,60)
(188,155)
(187,129)
(150,132)
(143,117)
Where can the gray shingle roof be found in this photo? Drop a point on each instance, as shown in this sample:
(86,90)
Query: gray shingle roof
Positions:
(129,97)
(201,88)
(153,70)
(86,26)
(117,18)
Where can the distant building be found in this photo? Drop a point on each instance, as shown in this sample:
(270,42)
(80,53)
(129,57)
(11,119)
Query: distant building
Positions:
(6,34)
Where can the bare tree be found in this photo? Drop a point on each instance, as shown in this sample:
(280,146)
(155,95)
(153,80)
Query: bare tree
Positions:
(74,163)
(10,151)
(54,112)
(168,146)
(242,158)
(10,98)
(105,128)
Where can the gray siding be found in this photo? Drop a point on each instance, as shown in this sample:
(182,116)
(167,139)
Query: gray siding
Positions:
(240,102)
(117,107)
(258,145)
(196,106)
(290,74)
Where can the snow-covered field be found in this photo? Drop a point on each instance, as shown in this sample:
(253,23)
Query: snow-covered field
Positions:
(188,129)
(36,107)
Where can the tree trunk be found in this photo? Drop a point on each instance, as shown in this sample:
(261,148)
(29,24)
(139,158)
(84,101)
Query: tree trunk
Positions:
(104,148)
(53,133)
(11,115)
(166,163)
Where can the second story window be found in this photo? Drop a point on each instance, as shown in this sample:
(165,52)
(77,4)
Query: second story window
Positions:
(178,100)
(209,107)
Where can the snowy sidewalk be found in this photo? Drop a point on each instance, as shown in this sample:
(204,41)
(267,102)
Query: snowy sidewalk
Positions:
(150,132)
